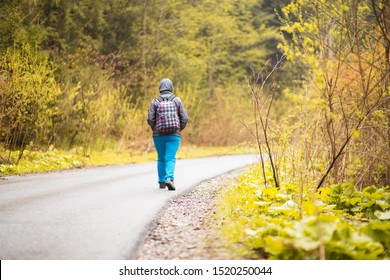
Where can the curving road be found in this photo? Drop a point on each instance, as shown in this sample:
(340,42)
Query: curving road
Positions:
(97,213)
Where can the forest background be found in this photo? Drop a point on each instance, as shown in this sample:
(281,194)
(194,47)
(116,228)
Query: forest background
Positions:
(304,82)
(81,75)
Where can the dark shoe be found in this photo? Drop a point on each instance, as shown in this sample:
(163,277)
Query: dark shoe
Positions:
(162,185)
(170,185)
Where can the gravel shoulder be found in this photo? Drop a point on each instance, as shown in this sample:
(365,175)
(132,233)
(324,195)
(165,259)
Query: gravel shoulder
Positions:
(185,228)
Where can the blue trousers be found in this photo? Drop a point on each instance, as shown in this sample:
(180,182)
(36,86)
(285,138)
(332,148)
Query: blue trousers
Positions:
(166,147)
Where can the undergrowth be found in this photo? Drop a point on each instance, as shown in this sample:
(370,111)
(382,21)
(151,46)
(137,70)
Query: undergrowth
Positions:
(337,222)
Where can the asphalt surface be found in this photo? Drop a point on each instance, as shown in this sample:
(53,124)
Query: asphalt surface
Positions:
(92,214)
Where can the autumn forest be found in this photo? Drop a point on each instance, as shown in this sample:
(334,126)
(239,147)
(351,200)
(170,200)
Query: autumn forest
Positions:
(304,82)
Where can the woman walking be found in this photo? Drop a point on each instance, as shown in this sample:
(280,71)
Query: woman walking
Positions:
(167,118)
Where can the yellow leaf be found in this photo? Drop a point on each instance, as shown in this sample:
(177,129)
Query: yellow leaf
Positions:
(356,134)
(344,8)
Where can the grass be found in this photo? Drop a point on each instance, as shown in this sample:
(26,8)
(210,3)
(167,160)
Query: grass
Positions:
(54,159)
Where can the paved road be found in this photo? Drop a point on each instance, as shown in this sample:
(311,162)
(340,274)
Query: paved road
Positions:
(92,214)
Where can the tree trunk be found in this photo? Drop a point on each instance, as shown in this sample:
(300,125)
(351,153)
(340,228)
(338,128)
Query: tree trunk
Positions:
(386,21)
(144,64)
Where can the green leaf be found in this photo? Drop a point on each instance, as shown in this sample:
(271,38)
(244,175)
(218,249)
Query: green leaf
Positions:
(383,215)
(382,204)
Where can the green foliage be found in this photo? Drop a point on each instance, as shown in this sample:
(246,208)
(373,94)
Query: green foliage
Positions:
(291,223)
(92,109)
(29,97)
(331,143)
(107,57)
(338,104)
(368,204)
(37,161)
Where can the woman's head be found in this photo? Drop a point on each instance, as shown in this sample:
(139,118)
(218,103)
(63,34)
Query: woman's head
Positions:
(166,85)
